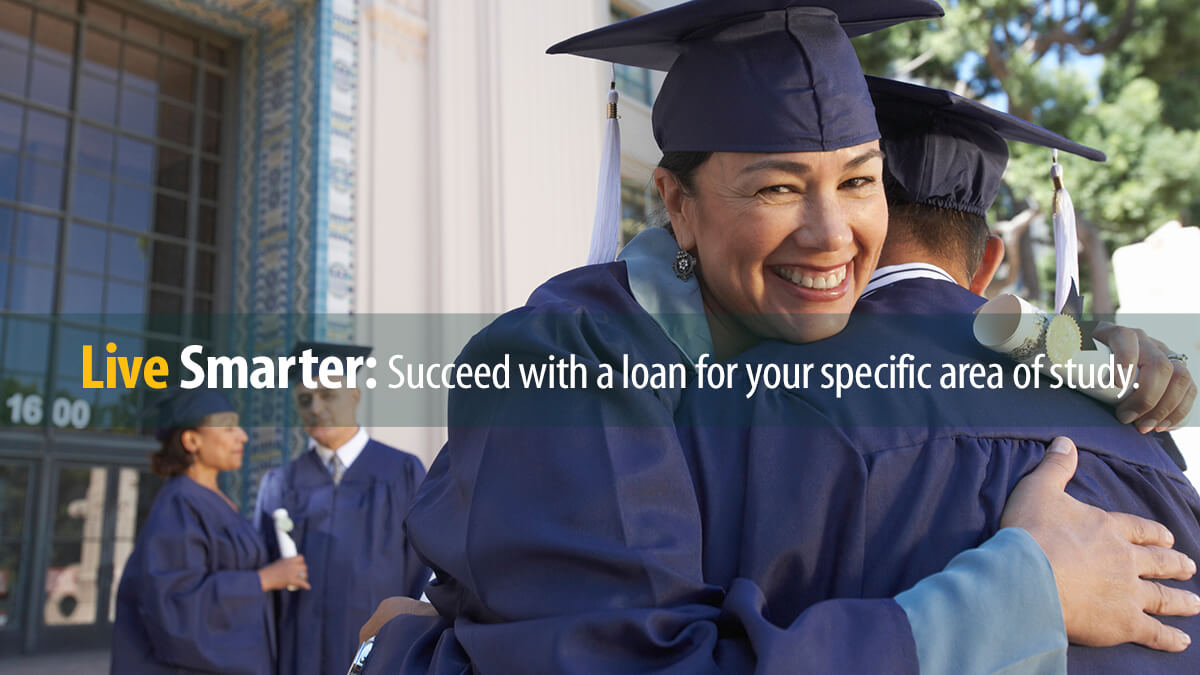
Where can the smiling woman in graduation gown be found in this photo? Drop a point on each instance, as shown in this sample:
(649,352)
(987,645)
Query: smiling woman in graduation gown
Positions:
(192,597)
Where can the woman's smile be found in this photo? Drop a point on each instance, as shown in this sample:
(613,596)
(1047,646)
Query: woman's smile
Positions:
(815,284)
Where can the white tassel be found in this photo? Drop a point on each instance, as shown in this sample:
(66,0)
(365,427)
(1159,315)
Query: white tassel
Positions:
(1066,243)
(606,229)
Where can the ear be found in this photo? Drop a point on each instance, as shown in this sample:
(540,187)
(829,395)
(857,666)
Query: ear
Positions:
(673,199)
(357,394)
(190,440)
(993,255)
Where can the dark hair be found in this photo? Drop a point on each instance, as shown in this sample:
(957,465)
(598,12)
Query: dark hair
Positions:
(683,165)
(172,459)
(947,233)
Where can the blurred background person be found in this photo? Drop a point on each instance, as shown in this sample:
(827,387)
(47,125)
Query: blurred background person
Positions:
(347,496)
(193,595)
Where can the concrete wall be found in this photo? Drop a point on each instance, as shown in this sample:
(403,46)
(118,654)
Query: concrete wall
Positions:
(477,163)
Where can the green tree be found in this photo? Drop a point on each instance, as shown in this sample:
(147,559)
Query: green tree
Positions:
(1163,50)
(1143,109)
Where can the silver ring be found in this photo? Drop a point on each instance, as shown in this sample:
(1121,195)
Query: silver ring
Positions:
(1182,358)
(304,575)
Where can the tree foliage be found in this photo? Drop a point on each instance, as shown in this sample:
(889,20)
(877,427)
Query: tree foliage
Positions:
(1120,75)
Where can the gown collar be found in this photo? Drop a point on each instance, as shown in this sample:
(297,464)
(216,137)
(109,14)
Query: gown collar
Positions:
(675,305)
(886,276)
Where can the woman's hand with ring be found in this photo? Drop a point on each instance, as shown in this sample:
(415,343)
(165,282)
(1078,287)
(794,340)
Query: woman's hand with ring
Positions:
(1165,390)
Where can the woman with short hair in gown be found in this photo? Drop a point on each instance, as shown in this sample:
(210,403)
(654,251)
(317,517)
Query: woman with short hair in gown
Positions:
(194,594)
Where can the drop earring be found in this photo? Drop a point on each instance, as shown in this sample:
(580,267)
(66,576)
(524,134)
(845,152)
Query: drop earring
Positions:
(684,265)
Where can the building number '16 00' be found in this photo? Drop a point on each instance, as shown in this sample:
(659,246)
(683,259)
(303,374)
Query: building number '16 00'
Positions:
(27,409)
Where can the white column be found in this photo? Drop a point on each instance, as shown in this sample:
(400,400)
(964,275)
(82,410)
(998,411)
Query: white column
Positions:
(478,158)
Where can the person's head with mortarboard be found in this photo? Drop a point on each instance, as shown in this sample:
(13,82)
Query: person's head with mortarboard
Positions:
(329,414)
(199,433)
(946,157)
(771,172)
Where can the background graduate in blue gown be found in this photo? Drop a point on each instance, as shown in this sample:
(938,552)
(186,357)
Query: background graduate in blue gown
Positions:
(347,496)
(193,596)
(570,532)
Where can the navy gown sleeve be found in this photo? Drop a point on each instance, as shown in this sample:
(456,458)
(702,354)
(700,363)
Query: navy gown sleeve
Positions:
(196,615)
(268,499)
(415,572)
(566,536)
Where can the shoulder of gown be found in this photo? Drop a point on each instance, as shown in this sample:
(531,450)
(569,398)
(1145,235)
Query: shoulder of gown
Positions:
(588,310)
(386,460)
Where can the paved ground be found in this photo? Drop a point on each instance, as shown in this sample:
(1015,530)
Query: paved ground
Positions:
(76,663)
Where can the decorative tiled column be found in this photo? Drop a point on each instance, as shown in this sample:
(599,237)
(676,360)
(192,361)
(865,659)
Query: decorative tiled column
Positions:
(293,262)
(336,161)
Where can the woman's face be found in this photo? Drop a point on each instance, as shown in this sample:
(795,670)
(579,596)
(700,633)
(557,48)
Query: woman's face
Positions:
(217,443)
(786,241)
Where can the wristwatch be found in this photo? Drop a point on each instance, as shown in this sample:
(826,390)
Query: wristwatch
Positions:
(360,658)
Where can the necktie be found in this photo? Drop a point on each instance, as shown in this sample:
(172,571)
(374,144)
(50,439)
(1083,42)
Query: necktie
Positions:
(336,468)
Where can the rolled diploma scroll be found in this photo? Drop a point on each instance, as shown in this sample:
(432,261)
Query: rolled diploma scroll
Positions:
(1011,326)
(287,546)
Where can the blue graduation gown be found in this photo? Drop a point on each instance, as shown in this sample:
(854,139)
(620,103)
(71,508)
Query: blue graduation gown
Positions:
(352,538)
(190,598)
(568,535)
(863,496)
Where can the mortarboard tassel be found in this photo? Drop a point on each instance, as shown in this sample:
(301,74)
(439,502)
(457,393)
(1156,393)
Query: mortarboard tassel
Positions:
(606,229)
(1067,297)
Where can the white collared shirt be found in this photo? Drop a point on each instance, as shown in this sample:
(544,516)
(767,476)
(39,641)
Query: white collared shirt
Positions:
(349,451)
(886,276)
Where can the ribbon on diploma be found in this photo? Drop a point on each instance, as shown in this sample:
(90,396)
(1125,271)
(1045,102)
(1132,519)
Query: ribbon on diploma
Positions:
(1009,325)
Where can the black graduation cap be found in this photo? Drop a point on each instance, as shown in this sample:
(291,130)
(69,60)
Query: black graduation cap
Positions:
(178,407)
(754,75)
(655,39)
(323,350)
(948,151)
